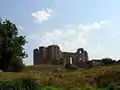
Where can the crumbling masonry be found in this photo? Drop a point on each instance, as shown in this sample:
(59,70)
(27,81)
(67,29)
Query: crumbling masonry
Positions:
(53,55)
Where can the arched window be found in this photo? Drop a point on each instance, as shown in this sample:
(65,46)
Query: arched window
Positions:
(80,52)
(80,59)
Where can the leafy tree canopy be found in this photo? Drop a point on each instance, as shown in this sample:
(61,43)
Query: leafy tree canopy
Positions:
(108,61)
(11,45)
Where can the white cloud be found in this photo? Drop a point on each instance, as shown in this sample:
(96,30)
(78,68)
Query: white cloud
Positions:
(100,48)
(33,36)
(49,10)
(68,38)
(96,51)
(117,32)
(96,25)
(103,22)
(42,15)
(70,26)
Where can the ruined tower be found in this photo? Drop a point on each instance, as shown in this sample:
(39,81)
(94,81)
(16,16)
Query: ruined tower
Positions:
(45,55)
(52,53)
(36,56)
(81,55)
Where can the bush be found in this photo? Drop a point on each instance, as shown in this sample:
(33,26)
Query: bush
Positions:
(16,66)
(112,86)
(70,66)
(20,84)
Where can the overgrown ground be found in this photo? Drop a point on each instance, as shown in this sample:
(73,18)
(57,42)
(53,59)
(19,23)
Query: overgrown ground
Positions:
(95,77)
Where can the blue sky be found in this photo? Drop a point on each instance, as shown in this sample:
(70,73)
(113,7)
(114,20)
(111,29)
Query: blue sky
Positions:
(91,24)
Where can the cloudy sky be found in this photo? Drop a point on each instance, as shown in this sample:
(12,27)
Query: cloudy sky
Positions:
(90,24)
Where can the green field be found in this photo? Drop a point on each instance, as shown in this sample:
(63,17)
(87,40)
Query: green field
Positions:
(95,77)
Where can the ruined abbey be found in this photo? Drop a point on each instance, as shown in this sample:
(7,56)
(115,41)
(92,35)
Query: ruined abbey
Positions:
(53,55)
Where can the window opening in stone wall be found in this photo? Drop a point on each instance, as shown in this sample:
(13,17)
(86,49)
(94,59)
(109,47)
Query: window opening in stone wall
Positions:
(70,60)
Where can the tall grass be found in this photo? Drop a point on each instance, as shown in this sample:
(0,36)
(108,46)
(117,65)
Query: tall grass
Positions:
(101,77)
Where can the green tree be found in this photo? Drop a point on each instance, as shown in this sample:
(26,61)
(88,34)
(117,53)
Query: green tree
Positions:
(11,45)
(108,61)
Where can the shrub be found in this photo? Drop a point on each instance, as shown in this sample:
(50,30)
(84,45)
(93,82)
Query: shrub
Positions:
(112,86)
(20,84)
(16,66)
(70,66)
(4,86)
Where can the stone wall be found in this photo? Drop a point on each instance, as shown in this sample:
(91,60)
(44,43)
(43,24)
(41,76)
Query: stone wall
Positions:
(53,54)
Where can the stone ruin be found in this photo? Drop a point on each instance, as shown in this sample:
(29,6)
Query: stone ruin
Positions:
(47,55)
(77,58)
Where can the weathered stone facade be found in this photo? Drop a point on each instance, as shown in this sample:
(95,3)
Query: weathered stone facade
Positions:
(52,54)
(45,55)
